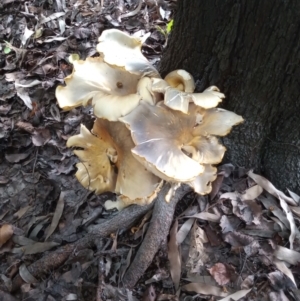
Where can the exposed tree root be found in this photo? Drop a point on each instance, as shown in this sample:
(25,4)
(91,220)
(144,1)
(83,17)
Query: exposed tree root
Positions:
(53,260)
(158,230)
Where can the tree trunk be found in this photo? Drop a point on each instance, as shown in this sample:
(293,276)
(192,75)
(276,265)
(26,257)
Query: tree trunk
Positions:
(251,51)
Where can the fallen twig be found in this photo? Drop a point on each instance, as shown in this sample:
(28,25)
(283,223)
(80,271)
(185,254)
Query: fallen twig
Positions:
(158,230)
(53,260)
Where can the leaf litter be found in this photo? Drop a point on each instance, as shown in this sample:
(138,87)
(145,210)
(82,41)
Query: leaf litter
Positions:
(240,242)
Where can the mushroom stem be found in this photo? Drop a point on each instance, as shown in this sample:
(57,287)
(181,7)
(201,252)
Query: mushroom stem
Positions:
(157,232)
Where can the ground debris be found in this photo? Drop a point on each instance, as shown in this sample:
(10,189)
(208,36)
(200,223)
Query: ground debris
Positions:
(57,242)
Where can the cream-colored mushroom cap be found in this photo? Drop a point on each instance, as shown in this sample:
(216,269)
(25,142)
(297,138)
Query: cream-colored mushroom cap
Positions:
(144,89)
(111,90)
(180,101)
(165,143)
(98,177)
(216,122)
(120,49)
(107,163)
(180,80)
(179,147)
(202,184)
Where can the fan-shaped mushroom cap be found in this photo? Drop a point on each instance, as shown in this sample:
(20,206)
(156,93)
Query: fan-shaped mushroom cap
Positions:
(216,122)
(180,101)
(181,80)
(160,135)
(202,183)
(205,149)
(178,81)
(209,98)
(172,145)
(112,90)
(120,49)
(98,177)
(107,164)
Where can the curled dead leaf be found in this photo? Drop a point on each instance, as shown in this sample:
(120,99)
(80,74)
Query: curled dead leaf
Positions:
(222,273)
(6,232)
(57,214)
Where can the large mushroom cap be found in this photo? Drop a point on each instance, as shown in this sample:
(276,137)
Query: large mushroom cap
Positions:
(107,163)
(111,90)
(160,134)
(123,50)
(179,147)
(98,177)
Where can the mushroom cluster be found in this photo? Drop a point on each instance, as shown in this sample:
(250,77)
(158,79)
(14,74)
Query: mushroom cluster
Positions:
(147,129)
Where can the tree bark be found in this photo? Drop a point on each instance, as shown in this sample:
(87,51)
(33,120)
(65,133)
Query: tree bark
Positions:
(251,51)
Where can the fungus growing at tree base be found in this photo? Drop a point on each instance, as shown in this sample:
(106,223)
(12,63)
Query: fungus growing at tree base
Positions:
(147,129)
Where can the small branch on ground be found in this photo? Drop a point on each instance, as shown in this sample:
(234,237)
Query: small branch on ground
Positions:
(158,230)
(53,260)
(101,275)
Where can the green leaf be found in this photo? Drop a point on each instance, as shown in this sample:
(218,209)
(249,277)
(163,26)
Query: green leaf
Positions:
(160,30)
(73,57)
(6,50)
(169,26)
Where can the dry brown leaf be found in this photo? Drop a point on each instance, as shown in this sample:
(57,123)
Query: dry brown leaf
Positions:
(26,126)
(206,216)
(269,187)
(248,211)
(15,158)
(205,289)
(236,296)
(229,223)
(174,256)
(216,185)
(6,232)
(39,247)
(197,253)
(289,216)
(184,230)
(271,204)
(21,212)
(229,195)
(252,193)
(237,239)
(22,240)
(295,196)
(222,273)
(296,210)
(57,214)
(149,294)
(285,254)
(25,274)
(40,136)
(72,275)
(280,265)
(3,180)
(248,282)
